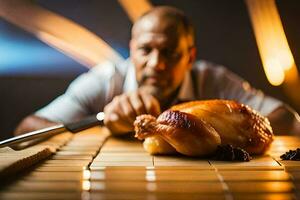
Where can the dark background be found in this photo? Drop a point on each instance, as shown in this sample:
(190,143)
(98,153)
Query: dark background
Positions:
(224,36)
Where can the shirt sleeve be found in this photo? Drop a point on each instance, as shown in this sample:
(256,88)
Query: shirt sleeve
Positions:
(86,95)
(223,84)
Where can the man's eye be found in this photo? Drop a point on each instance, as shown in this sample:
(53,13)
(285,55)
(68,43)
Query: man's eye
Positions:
(145,50)
(168,53)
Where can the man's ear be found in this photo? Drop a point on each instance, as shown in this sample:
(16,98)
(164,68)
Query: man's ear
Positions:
(192,56)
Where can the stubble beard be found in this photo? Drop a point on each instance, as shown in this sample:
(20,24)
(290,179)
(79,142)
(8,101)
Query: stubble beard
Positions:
(152,90)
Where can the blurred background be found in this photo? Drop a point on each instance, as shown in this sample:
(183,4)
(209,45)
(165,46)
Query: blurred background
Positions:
(38,58)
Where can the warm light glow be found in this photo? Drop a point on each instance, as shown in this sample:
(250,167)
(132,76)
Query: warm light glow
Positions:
(150,175)
(135,8)
(86,174)
(273,47)
(86,185)
(59,32)
(274,71)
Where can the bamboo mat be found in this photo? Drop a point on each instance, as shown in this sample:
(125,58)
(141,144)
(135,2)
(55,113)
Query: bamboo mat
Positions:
(84,168)
(13,161)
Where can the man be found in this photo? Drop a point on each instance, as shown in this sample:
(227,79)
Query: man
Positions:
(161,72)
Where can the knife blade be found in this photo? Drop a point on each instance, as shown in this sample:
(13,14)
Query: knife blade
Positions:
(73,127)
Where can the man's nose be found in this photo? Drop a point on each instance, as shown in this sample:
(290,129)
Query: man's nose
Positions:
(156,61)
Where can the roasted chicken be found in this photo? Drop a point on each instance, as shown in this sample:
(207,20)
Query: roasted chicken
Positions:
(196,128)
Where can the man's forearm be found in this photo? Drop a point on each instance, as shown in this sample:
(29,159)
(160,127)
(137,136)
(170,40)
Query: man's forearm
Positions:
(32,123)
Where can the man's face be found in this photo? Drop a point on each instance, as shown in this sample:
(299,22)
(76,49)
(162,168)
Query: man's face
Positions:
(161,57)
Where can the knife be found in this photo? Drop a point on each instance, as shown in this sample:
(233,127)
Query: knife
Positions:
(73,127)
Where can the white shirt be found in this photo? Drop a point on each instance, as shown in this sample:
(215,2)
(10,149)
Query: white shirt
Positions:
(91,91)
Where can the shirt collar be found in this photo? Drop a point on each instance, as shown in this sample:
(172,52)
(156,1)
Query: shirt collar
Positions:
(186,91)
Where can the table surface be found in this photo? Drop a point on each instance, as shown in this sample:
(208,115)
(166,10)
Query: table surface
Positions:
(93,165)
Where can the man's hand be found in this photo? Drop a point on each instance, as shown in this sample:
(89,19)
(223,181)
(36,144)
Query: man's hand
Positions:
(121,112)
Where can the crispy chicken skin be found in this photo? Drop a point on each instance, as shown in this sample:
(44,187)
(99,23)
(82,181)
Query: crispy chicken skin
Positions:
(196,128)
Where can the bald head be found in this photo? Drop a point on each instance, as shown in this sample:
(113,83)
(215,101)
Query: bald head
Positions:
(167,19)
